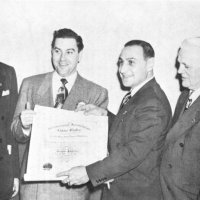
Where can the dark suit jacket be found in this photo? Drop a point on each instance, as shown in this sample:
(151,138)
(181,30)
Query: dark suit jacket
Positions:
(180,169)
(9,166)
(136,138)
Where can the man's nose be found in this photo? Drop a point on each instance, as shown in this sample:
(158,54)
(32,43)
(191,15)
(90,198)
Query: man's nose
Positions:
(123,68)
(63,57)
(180,69)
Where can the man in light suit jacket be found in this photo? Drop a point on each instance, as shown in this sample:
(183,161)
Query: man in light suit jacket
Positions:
(42,90)
(136,133)
(9,160)
(180,169)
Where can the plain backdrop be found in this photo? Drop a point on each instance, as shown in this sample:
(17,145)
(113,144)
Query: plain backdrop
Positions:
(26,30)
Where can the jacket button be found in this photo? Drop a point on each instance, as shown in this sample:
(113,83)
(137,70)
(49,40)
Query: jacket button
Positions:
(168,188)
(170,165)
(124,112)
(181,144)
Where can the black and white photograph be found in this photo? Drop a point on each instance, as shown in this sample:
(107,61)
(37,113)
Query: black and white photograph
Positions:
(100,100)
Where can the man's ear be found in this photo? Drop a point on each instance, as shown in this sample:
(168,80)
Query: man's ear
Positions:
(80,56)
(150,64)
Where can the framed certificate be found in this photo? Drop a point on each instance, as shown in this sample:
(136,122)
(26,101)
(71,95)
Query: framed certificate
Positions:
(63,139)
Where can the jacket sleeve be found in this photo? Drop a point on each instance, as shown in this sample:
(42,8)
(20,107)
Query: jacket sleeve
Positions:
(101,99)
(16,123)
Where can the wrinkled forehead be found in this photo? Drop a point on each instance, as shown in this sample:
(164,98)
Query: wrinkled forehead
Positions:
(189,50)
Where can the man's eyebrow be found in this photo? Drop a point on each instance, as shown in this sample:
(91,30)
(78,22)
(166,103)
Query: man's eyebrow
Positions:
(131,58)
(71,49)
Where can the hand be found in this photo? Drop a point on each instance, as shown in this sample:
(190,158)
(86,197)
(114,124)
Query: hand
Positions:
(15,186)
(27,117)
(75,176)
(91,109)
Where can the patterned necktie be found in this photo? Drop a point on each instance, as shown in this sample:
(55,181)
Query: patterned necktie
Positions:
(125,99)
(189,101)
(62,94)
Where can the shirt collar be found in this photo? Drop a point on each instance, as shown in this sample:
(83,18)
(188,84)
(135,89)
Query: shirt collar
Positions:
(194,94)
(138,87)
(70,79)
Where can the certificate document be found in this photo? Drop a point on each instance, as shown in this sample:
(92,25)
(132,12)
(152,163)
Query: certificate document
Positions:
(63,139)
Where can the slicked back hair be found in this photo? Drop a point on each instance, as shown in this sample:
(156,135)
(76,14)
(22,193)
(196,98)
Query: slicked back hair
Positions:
(68,33)
(148,50)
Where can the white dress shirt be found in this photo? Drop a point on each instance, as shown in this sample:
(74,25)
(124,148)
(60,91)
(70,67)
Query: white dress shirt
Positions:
(194,95)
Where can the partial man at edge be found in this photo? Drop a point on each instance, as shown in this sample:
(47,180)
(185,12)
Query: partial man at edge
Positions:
(9,157)
(180,174)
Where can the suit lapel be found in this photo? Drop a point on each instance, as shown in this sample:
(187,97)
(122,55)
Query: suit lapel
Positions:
(138,94)
(185,121)
(74,94)
(120,115)
(180,108)
(131,103)
(45,95)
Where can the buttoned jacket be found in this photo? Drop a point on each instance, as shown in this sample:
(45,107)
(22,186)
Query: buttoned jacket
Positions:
(9,163)
(136,139)
(180,175)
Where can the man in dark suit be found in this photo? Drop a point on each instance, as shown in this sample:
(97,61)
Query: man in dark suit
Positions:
(180,174)
(44,89)
(136,133)
(9,160)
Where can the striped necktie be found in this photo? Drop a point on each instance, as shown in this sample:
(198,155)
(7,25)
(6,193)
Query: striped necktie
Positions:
(62,94)
(125,99)
(189,101)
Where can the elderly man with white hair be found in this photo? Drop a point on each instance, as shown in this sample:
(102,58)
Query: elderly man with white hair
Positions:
(180,167)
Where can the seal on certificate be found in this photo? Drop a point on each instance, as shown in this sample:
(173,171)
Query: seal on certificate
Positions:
(47,166)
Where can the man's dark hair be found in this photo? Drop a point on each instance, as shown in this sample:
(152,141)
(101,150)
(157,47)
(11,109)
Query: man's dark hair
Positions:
(148,50)
(67,33)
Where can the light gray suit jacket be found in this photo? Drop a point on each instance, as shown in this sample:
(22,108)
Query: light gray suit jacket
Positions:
(180,168)
(38,90)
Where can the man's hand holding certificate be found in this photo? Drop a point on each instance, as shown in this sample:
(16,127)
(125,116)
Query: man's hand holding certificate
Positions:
(74,176)
(61,140)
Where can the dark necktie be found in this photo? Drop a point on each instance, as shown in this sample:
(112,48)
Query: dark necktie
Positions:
(62,94)
(125,99)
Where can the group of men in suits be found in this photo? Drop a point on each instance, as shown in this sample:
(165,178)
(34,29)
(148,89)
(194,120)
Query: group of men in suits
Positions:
(151,156)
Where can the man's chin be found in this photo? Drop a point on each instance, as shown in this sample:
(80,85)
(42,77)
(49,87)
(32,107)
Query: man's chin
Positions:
(127,85)
(185,85)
